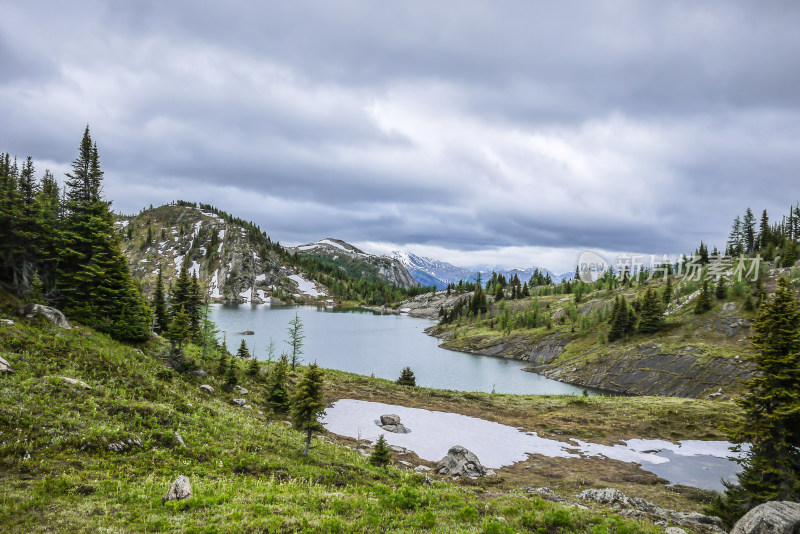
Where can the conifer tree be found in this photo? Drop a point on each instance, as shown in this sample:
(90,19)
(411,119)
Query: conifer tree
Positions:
(749,231)
(295,339)
(93,277)
(277,394)
(651,315)
(721,290)
(179,331)
(703,301)
(253,368)
(222,368)
(308,404)
(667,295)
(160,305)
(381,454)
(407,377)
(771,425)
(231,375)
(243,353)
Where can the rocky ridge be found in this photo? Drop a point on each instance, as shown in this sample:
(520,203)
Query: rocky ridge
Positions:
(235,265)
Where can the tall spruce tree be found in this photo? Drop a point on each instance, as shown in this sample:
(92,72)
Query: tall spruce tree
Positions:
(308,404)
(94,280)
(771,425)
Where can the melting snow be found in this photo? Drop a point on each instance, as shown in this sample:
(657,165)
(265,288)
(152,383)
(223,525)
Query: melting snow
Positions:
(261,277)
(178,262)
(306,287)
(215,286)
(496,445)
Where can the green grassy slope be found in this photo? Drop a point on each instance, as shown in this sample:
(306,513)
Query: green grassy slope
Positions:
(58,474)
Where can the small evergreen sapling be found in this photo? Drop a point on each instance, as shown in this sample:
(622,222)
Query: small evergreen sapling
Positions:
(277,394)
(308,404)
(243,353)
(407,377)
(381,454)
(703,301)
(231,376)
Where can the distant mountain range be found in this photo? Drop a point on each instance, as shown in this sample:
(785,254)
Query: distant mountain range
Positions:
(429,271)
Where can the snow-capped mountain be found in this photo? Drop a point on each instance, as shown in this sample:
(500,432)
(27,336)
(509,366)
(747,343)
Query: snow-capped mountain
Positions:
(429,271)
(349,257)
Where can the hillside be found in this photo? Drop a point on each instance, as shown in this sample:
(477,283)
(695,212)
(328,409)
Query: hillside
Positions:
(690,356)
(235,263)
(103,456)
(356,262)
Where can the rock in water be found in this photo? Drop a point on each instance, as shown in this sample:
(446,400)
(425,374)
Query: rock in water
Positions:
(460,462)
(5,367)
(179,490)
(390,419)
(51,314)
(775,517)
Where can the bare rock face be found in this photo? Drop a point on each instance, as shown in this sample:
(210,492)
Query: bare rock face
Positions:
(51,314)
(179,490)
(5,367)
(775,517)
(460,462)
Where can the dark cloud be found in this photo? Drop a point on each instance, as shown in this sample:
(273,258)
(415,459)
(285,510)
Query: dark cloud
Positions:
(458,125)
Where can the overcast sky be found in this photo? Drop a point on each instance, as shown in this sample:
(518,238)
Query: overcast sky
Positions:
(475,132)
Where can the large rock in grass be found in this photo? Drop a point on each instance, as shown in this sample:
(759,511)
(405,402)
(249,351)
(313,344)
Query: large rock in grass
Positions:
(460,462)
(5,367)
(179,490)
(775,517)
(51,314)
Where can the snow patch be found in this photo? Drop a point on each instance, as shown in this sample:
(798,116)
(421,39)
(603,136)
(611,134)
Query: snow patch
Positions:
(305,287)
(261,277)
(178,262)
(496,445)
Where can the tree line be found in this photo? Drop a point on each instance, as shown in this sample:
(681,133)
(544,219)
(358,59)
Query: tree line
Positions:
(60,247)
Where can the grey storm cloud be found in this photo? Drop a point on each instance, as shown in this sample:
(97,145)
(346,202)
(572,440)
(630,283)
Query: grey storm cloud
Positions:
(459,125)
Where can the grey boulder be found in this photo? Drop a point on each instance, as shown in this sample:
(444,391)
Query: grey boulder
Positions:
(390,419)
(239,402)
(51,314)
(179,490)
(5,367)
(460,462)
(207,388)
(774,517)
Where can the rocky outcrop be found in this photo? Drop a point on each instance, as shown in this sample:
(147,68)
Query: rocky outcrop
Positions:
(635,507)
(179,490)
(775,517)
(461,462)
(425,306)
(548,349)
(125,444)
(647,369)
(237,263)
(51,314)
(5,367)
